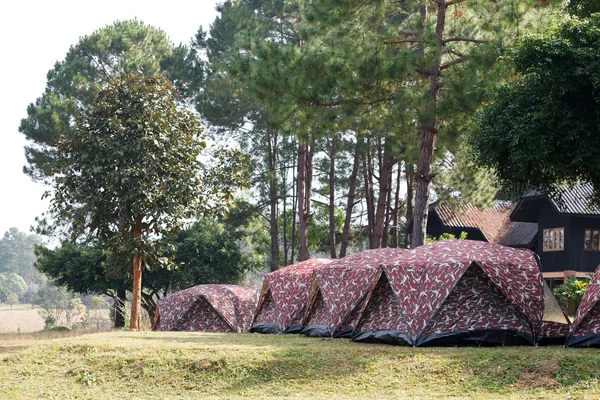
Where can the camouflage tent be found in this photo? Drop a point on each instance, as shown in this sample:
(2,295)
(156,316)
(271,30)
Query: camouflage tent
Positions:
(457,292)
(208,308)
(338,289)
(283,298)
(585,329)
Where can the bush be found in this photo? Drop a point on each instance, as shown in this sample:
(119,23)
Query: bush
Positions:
(571,292)
(58,329)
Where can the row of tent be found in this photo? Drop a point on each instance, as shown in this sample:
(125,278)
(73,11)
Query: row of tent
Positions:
(456,292)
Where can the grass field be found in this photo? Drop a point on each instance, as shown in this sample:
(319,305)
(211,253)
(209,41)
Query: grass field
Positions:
(21,318)
(152,365)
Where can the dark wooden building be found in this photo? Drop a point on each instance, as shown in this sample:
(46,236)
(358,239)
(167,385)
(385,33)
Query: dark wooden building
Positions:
(568,233)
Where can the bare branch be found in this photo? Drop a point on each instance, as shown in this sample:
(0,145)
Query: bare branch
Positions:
(454,62)
(457,39)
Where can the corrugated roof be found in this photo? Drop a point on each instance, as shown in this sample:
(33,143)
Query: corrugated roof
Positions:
(572,199)
(494,222)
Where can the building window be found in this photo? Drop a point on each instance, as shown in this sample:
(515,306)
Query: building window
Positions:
(554,239)
(590,242)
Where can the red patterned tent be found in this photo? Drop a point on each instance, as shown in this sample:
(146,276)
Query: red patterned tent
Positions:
(585,329)
(338,290)
(208,308)
(283,298)
(456,292)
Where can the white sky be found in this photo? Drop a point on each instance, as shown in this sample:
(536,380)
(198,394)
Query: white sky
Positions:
(36,34)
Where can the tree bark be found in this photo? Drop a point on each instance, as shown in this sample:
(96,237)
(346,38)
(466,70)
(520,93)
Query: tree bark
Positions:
(351,195)
(388,212)
(285,222)
(332,249)
(135,321)
(408,229)
(301,193)
(119,308)
(273,200)
(428,132)
(385,172)
(396,213)
(294,215)
(369,194)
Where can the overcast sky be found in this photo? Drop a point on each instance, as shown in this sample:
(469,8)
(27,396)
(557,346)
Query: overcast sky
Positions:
(36,34)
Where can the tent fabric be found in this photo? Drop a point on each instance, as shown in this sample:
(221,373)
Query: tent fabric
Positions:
(585,329)
(456,292)
(208,308)
(283,298)
(555,323)
(338,290)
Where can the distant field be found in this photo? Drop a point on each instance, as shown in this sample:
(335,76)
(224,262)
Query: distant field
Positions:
(184,365)
(20,319)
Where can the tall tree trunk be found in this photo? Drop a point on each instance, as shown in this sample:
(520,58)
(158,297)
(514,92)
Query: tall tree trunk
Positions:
(285,222)
(351,195)
(301,193)
(369,194)
(135,321)
(332,249)
(119,300)
(273,200)
(428,132)
(409,204)
(386,166)
(388,212)
(294,214)
(310,152)
(396,214)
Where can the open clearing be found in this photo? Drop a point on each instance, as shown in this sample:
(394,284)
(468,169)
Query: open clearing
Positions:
(147,365)
(22,318)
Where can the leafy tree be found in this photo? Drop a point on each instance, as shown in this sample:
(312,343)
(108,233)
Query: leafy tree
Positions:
(12,299)
(115,50)
(458,178)
(17,255)
(542,128)
(31,297)
(13,282)
(54,301)
(74,310)
(4,293)
(130,169)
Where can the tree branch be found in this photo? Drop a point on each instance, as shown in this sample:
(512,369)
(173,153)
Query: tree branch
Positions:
(458,39)
(454,62)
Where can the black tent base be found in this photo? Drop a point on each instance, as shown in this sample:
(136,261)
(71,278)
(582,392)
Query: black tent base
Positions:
(293,329)
(266,328)
(552,341)
(316,331)
(383,336)
(480,338)
(453,339)
(584,341)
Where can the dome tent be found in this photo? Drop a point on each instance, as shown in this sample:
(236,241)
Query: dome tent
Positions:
(456,292)
(338,290)
(283,298)
(208,308)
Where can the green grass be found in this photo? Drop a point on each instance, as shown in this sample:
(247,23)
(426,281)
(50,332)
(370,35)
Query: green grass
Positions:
(148,365)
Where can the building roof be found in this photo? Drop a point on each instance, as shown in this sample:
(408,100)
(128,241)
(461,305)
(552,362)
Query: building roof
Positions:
(575,199)
(568,199)
(494,222)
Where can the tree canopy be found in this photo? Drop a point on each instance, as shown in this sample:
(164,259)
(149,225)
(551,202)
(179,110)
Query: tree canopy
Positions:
(130,169)
(115,50)
(542,129)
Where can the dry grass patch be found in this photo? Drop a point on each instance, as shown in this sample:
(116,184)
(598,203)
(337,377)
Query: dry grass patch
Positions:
(148,365)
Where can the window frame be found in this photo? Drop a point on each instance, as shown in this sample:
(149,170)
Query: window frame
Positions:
(552,236)
(591,230)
